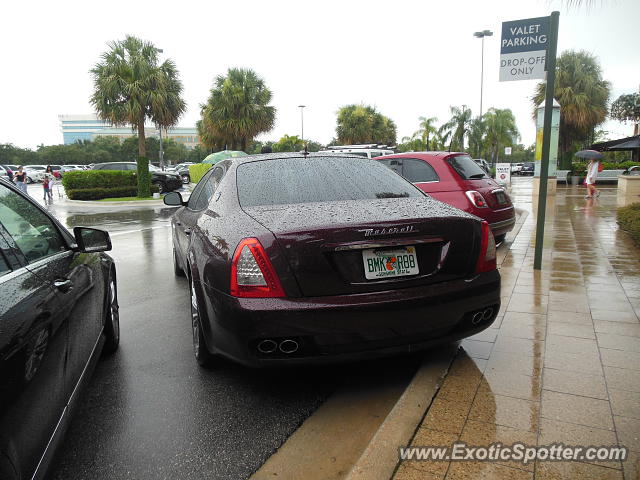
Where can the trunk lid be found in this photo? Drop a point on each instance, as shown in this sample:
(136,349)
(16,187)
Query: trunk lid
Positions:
(323,242)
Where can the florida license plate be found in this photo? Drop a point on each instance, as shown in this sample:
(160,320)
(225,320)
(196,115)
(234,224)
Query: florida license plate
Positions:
(389,263)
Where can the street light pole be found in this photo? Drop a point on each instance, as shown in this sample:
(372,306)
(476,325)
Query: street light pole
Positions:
(301,107)
(482,34)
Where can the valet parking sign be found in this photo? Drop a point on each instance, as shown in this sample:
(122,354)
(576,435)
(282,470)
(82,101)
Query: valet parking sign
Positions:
(523,49)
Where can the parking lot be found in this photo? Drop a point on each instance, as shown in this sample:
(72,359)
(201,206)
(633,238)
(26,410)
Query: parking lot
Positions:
(565,336)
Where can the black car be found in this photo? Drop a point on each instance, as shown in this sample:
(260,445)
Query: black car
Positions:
(59,311)
(316,258)
(165,181)
(528,168)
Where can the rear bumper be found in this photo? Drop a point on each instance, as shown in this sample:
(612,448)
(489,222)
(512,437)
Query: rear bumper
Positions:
(503,226)
(352,327)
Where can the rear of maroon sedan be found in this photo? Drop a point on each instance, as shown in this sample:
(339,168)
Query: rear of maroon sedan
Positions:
(318,259)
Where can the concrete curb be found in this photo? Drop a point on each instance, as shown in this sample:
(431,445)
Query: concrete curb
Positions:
(380,458)
(132,203)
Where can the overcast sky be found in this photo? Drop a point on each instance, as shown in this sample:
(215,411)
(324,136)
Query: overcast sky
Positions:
(407,58)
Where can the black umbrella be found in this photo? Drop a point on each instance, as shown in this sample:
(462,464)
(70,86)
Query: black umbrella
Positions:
(589,154)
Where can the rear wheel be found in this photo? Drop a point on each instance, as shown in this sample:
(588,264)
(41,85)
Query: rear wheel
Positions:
(29,180)
(177,270)
(112,317)
(161,187)
(203,356)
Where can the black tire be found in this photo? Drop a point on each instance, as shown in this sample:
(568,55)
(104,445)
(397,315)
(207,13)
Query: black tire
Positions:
(112,317)
(161,187)
(177,270)
(186,179)
(200,351)
(29,180)
(500,238)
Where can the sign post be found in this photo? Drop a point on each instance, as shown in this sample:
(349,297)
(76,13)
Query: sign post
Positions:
(528,50)
(546,137)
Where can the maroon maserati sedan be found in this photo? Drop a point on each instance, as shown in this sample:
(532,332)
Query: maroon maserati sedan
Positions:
(314,258)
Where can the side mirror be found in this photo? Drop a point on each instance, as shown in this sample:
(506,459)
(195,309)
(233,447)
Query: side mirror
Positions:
(174,199)
(91,240)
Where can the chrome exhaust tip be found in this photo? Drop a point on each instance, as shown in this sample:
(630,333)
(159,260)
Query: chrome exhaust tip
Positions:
(267,346)
(288,346)
(488,312)
(477,318)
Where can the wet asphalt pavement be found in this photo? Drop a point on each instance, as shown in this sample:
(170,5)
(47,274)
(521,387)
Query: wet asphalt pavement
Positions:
(149,410)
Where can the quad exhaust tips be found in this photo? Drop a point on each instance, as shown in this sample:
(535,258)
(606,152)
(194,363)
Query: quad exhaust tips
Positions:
(285,346)
(482,316)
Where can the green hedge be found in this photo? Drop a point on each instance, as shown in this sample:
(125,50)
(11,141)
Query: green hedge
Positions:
(197,171)
(98,179)
(100,193)
(580,168)
(629,220)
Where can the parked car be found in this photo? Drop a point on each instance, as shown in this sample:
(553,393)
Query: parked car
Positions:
(319,258)
(35,173)
(635,170)
(368,150)
(184,174)
(165,181)
(59,311)
(456,179)
(515,168)
(6,174)
(528,168)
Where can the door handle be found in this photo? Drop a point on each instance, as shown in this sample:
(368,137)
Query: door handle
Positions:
(178,223)
(187,231)
(64,285)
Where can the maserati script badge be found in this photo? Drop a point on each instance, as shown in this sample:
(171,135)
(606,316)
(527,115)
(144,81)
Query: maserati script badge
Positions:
(374,232)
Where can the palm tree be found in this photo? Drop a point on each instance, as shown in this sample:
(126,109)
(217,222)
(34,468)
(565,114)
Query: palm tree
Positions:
(364,124)
(501,130)
(426,129)
(237,110)
(458,127)
(477,143)
(130,87)
(583,96)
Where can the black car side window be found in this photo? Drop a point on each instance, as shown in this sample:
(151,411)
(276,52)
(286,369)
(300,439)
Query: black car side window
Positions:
(416,170)
(4,265)
(209,186)
(34,233)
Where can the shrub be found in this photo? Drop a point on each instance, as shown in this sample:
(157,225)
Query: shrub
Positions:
(629,220)
(98,179)
(144,181)
(98,193)
(197,171)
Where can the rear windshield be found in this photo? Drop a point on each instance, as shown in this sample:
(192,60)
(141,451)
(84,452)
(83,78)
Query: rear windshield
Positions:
(318,179)
(466,167)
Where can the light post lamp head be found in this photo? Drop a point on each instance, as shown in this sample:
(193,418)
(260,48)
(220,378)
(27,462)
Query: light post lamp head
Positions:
(484,33)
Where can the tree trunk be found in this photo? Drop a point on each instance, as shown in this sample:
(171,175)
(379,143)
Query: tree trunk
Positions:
(144,179)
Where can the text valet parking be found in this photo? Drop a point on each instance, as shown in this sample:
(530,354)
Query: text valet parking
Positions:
(523,49)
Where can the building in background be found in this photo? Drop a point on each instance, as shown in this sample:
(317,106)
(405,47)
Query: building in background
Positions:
(88,127)
(80,127)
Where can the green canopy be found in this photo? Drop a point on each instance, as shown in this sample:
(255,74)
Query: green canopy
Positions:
(223,155)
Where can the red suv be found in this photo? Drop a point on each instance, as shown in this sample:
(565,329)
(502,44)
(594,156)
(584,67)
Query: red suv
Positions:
(454,178)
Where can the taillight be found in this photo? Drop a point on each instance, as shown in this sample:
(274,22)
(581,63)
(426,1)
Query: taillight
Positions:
(252,274)
(487,256)
(476,199)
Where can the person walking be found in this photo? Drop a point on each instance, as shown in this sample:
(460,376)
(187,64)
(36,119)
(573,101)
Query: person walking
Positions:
(20,177)
(592,174)
(47,184)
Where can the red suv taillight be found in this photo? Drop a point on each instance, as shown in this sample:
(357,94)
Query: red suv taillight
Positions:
(252,274)
(487,256)
(476,199)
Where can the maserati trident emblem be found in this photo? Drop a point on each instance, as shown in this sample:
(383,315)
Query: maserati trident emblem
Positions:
(374,232)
